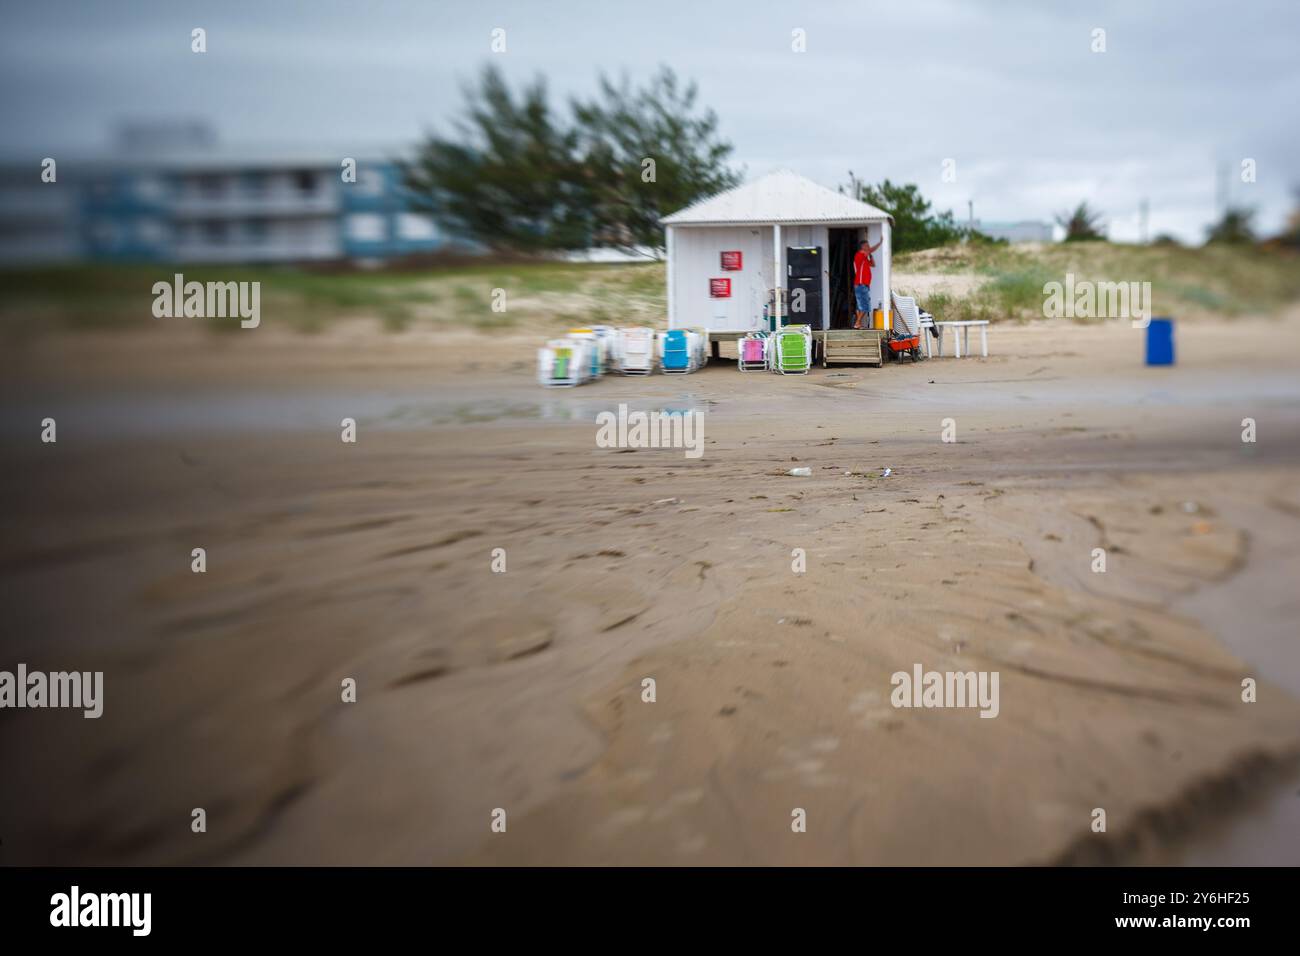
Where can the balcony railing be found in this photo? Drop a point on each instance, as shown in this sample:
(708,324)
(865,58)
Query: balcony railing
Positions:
(277,203)
(244,251)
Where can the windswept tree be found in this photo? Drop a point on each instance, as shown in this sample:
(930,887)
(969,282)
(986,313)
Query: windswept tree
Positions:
(1082,224)
(648,152)
(915,226)
(519,176)
(1235,228)
(509,178)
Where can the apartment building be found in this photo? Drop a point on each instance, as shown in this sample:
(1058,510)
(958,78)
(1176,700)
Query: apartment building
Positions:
(194,202)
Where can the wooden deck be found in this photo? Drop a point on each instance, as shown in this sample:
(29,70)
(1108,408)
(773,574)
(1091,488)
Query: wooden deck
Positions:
(852,346)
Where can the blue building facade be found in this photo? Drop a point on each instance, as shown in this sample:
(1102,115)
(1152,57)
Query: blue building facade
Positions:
(212,209)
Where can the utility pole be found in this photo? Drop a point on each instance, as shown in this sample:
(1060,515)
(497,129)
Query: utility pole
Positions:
(1144,210)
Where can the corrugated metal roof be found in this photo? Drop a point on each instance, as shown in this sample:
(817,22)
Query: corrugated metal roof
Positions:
(782,196)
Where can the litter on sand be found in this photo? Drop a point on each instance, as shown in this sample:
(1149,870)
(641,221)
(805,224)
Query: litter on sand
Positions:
(800,472)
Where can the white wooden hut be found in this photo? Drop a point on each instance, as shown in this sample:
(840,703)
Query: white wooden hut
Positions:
(727,253)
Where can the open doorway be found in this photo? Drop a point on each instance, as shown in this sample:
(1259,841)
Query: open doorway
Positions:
(843,244)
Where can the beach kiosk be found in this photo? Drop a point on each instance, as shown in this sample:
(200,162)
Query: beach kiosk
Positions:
(778,251)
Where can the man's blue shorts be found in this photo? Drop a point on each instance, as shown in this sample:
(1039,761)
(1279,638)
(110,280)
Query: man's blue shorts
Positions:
(863,294)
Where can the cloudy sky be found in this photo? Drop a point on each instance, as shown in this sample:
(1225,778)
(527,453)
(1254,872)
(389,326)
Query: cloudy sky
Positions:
(1009,89)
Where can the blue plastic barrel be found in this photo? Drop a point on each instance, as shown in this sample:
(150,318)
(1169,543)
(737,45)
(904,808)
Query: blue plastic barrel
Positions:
(1160,342)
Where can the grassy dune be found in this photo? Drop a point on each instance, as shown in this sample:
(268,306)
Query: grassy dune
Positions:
(1006,282)
(97,297)
(987,282)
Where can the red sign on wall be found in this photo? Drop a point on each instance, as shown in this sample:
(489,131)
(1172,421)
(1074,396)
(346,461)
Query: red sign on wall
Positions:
(732,261)
(720,288)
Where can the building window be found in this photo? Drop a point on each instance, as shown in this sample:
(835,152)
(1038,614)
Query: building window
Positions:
(209,186)
(151,188)
(215,231)
(255,184)
(151,232)
(370,181)
(103,233)
(305,181)
(257,231)
(416,226)
(365,227)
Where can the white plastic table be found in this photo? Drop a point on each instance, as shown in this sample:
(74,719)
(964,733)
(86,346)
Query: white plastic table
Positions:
(964,328)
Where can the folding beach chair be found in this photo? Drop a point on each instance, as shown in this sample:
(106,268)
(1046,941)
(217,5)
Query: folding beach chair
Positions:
(635,351)
(792,350)
(607,339)
(562,363)
(919,323)
(595,350)
(752,352)
(678,352)
(904,337)
(700,347)
(907,316)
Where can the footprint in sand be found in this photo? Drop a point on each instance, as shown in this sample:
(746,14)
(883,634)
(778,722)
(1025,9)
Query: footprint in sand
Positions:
(871,707)
(636,777)
(1020,649)
(679,800)
(525,644)
(864,701)
(620,820)
(691,844)
(802,761)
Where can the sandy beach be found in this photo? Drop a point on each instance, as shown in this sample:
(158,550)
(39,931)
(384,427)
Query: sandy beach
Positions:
(523,690)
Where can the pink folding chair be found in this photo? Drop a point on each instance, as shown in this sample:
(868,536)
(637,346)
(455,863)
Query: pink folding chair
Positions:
(753,354)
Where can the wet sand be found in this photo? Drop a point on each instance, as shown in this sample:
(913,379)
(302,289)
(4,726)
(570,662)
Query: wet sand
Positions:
(523,690)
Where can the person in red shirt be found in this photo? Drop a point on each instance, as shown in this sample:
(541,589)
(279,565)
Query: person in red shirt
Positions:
(863,260)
